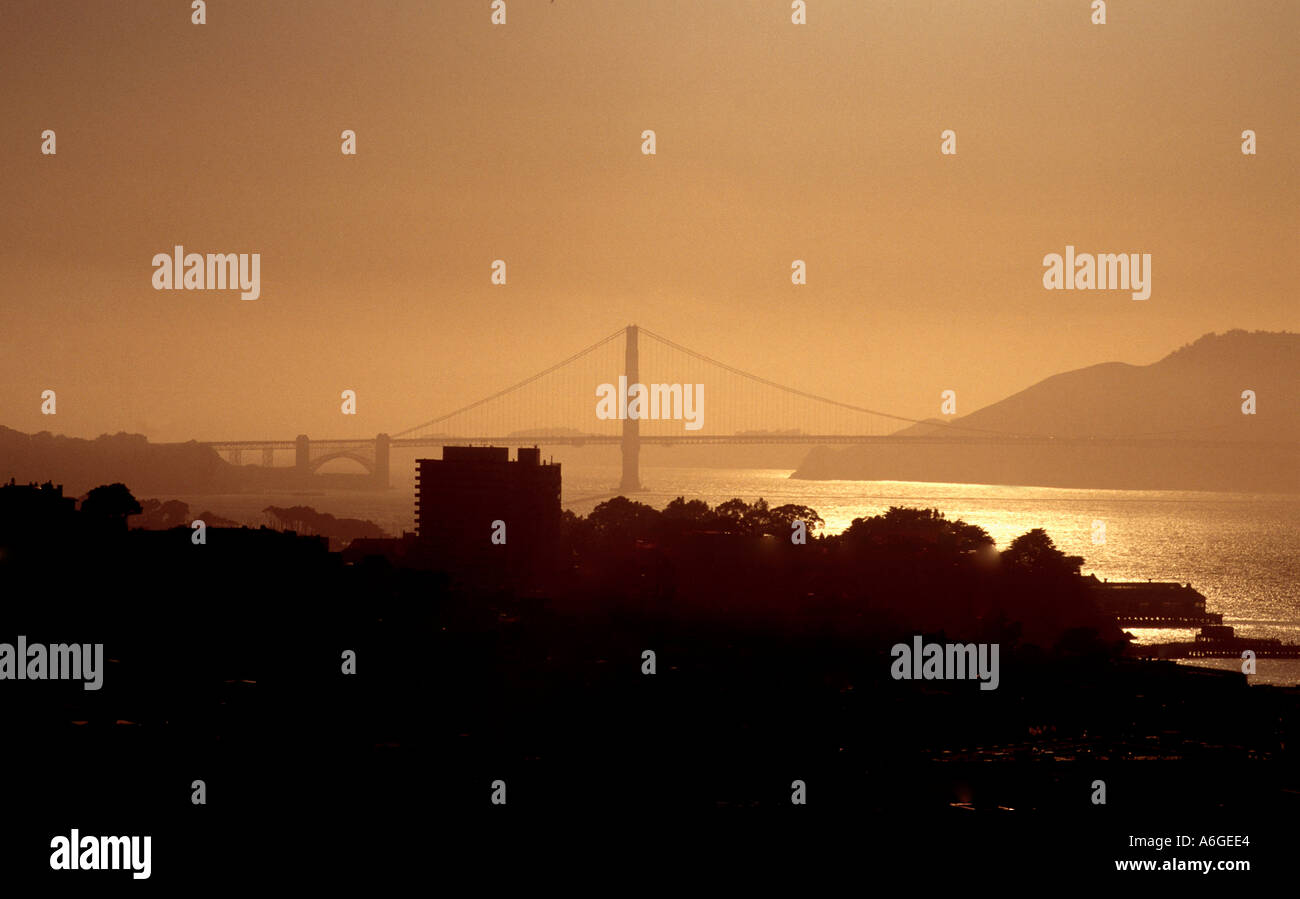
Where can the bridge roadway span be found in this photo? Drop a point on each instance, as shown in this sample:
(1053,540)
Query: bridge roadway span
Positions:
(697,439)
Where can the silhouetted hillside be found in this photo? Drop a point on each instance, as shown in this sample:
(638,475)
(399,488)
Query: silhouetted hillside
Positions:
(1175,424)
(80,464)
(1193,393)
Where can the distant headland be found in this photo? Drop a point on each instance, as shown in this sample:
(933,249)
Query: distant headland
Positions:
(1218,414)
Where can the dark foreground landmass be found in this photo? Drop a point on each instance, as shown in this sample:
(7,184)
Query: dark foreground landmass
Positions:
(772,665)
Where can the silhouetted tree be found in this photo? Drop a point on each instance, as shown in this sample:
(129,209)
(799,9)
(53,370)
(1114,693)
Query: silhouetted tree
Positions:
(696,511)
(916,531)
(306,520)
(110,504)
(758,519)
(731,515)
(213,520)
(174,512)
(1034,553)
(623,520)
(782,517)
(680,517)
(160,516)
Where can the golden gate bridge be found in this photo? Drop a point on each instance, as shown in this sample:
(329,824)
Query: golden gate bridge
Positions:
(557,406)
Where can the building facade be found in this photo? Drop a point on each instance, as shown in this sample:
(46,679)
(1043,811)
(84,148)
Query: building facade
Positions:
(475,507)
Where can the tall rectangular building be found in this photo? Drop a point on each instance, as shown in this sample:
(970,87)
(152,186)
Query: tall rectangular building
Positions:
(460,496)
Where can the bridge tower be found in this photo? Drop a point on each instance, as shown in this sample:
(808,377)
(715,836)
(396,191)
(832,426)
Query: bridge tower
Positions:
(302,455)
(381,461)
(631,427)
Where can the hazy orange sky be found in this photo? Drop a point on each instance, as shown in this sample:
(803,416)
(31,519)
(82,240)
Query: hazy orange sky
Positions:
(522,142)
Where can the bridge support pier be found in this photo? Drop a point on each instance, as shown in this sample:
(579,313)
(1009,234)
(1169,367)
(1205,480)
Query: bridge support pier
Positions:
(631,426)
(381,461)
(268,457)
(302,455)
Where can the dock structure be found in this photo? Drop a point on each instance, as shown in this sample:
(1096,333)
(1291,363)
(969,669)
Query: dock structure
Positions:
(1218,642)
(1152,603)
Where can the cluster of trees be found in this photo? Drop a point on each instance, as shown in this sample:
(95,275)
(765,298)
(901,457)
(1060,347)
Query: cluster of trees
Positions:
(898,535)
(162,515)
(1237,337)
(902,534)
(111,505)
(904,570)
(306,520)
(621,520)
